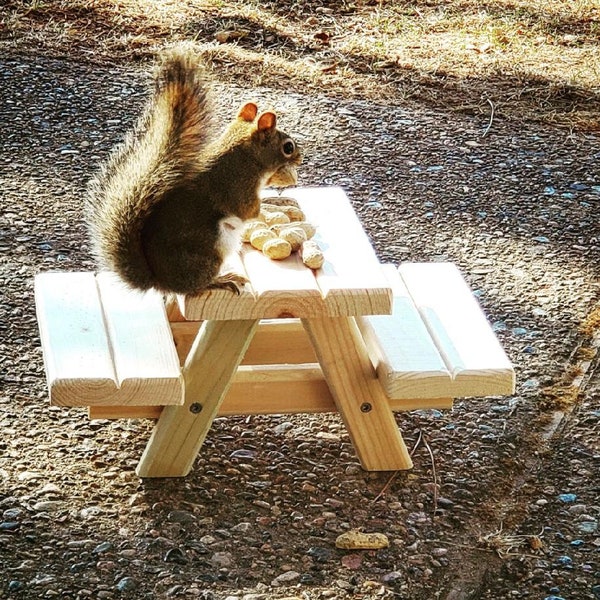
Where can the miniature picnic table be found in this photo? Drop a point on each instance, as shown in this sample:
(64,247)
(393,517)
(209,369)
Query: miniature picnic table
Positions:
(355,337)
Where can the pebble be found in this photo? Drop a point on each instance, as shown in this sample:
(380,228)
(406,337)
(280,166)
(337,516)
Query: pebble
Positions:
(103,547)
(444,502)
(126,584)
(319,554)
(587,527)
(567,498)
(221,560)
(176,555)
(48,506)
(285,578)
(181,516)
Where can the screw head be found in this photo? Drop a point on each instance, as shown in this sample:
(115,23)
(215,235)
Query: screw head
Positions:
(195,408)
(366,407)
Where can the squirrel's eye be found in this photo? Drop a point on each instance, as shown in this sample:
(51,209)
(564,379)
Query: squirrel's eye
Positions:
(288,148)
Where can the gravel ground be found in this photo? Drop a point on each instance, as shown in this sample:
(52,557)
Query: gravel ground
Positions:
(516,478)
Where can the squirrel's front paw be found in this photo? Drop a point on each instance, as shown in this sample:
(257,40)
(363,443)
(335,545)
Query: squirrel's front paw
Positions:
(229,281)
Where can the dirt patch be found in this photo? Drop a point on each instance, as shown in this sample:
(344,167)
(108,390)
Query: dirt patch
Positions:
(524,60)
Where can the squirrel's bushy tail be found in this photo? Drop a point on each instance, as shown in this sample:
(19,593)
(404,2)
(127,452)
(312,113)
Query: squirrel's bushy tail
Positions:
(158,155)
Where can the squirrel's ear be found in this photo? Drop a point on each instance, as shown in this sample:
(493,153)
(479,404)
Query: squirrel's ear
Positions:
(268,120)
(248,112)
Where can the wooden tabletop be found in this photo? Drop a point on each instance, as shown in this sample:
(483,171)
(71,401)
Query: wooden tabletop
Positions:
(351,282)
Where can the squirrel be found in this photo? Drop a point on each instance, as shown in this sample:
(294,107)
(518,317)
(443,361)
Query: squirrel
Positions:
(168,205)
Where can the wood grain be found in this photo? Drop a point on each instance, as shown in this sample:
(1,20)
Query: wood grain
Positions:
(104,344)
(350,282)
(208,373)
(357,393)
(472,354)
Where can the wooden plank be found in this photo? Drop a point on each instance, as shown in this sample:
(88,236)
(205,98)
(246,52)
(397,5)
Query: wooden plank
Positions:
(357,393)
(146,364)
(77,355)
(280,341)
(208,372)
(276,341)
(460,330)
(278,389)
(297,399)
(350,280)
(284,288)
(405,357)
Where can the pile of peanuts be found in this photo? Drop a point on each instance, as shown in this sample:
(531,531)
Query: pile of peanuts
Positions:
(280,229)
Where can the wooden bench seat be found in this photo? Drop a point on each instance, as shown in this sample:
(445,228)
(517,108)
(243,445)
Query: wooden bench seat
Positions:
(119,359)
(104,344)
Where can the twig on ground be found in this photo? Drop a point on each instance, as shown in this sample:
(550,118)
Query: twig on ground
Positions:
(435,484)
(487,129)
(395,473)
(389,482)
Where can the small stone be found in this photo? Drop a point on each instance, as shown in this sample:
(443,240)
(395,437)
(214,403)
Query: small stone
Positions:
(9,526)
(103,547)
(567,498)
(437,552)
(175,555)
(221,560)
(181,516)
(352,561)
(15,586)
(50,488)
(243,454)
(444,502)
(588,527)
(283,427)
(392,577)
(127,584)
(334,503)
(48,506)
(12,514)
(285,578)
(319,554)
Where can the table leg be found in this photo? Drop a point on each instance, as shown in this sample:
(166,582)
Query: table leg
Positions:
(208,371)
(358,394)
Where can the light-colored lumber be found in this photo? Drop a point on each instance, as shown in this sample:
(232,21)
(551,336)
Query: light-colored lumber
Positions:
(349,283)
(473,356)
(351,274)
(267,399)
(77,356)
(104,344)
(405,357)
(358,394)
(208,373)
(280,341)
(276,341)
(144,356)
